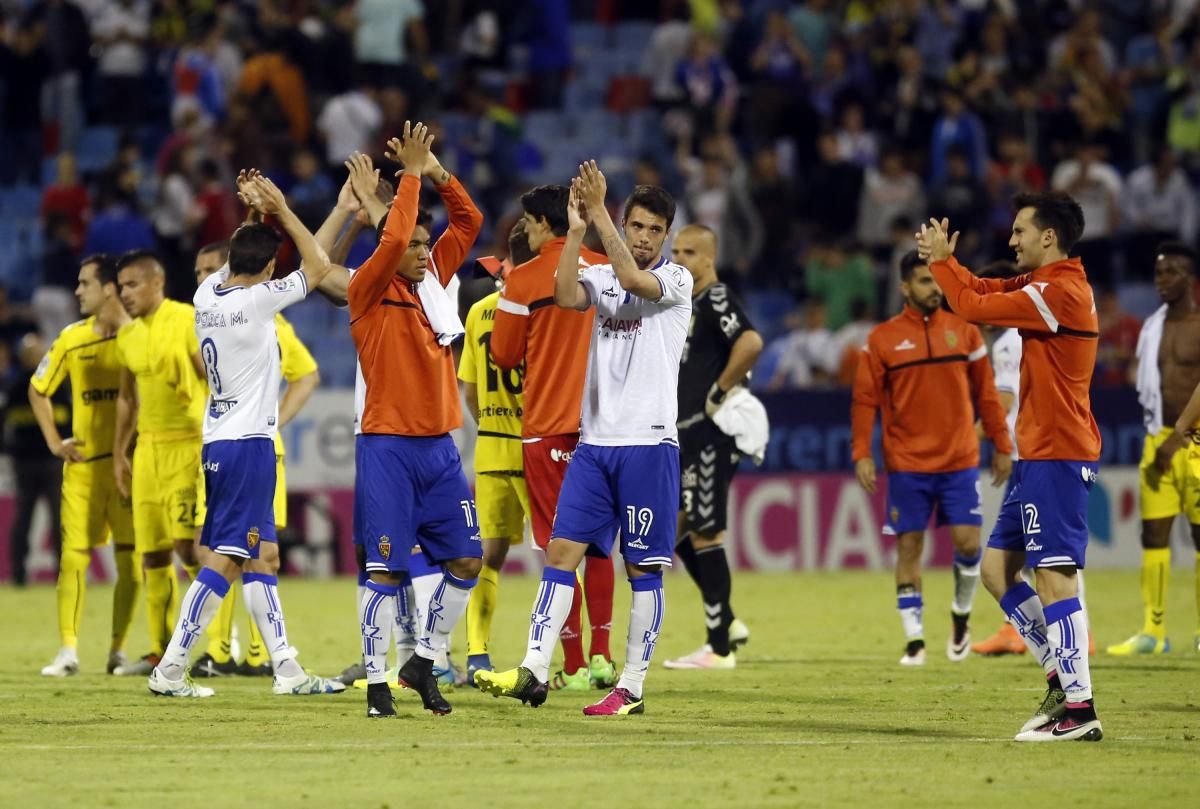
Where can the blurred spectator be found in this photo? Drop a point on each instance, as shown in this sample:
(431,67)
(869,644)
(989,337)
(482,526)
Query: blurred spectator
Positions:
(856,143)
(15,323)
(1183,117)
(1118,340)
(1068,50)
(385,29)
(709,87)
(54,298)
(808,353)
(1012,172)
(962,198)
(121,29)
(40,475)
(837,275)
(832,86)
(349,123)
(548,36)
(177,215)
(903,230)
(24,66)
(118,225)
(718,198)
(1159,204)
(833,189)
(909,106)
(778,67)
(1096,186)
(63,29)
(851,338)
(219,204)
(197,72)
(69,198)
(813,22)
(889,191)
(312,194)
(274,87)
(1148,58)
(960,127)
(775,199)
(668,47)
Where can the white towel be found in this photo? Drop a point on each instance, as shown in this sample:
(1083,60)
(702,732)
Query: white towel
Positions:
(441,307)
(743,418)
(1149,385)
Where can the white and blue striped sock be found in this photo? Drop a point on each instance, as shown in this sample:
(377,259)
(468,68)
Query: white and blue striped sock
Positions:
(260,591)
(1068,635)
(200,604)
(1024,610)
(911,606)
(446,607)
(407,621)
(378,614)
(645,620)
(550,610)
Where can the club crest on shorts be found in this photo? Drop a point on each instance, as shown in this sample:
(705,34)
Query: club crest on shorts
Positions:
(385,547)
(951,338)
(252,537)
(895,515)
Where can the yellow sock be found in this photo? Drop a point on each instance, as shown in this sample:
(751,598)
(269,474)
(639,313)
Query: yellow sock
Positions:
(72,582)
(162,605)
(480,610)
(220,631)
(256,652)
(1156,572)
(125,595)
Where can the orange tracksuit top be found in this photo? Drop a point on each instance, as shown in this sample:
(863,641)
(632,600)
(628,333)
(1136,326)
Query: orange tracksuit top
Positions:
(928,375)
(411,387)
(1054,309)
(552,340)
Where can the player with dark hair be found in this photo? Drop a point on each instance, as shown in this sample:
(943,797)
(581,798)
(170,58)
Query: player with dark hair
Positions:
(721,348)
(1168,372)
(162,390)
(553,344)
(85,356)
(1043,522)
(625,473)
(929,444)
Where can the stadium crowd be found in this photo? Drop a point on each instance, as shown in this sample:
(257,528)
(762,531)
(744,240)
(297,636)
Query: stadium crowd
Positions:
(811,136)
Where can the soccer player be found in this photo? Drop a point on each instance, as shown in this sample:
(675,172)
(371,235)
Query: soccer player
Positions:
(302,377)
(162,389)
(496,399)
(85,356)
(1043,522)
(1168,372)
(553,343)
(235,324)
(625,473)
(409,471)
(929,443)
(721,348)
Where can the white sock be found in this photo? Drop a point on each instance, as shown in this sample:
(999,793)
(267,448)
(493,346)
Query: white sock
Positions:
(966,581)
(199,605)
(1069,641)
(910,604)
(422,588)
(378,612)
(645,621)
(446,607)
(550,610)
(406,624)
(260,591)
(1024,610)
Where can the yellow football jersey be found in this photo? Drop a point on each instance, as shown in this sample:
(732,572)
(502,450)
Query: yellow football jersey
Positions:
(295,361)
(80,354)
(158,351)
(501,401)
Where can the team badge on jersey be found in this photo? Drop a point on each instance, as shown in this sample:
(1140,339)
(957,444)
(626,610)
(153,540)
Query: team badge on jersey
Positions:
(951,338)
(385,547)
(252,537)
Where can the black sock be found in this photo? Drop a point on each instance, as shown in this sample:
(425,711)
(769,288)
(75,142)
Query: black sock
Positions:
(687,555)
(1053,682)
(1084,713)
(960,625)
(712,570)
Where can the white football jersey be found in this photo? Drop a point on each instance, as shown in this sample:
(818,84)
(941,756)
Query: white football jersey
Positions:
(1006,366)
(236,329)
(631,393)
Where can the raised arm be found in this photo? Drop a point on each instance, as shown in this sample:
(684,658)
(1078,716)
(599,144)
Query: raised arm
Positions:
(569,292)
(466,220)
(632,278)
(314,262)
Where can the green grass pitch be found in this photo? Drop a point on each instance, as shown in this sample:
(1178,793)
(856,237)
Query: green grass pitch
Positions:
(818,713)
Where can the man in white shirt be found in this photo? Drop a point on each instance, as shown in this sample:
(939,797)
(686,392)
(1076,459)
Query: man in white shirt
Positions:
(235,324)
(624,475)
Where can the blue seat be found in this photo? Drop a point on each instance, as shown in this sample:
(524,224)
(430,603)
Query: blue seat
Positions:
(97,148)
(596,126)
(589,37)
(633,36)
(544,127)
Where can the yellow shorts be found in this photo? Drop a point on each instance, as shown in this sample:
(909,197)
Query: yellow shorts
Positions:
(92,508)
(1176,492)
(502,502)
(165,478)
(280,503)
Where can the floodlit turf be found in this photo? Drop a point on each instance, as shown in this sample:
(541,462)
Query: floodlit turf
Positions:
(818,713)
